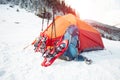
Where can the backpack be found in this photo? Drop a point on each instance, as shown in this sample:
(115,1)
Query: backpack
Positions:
(72,35)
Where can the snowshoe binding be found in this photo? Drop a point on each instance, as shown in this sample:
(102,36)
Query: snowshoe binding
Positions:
(50,55)
(40,43)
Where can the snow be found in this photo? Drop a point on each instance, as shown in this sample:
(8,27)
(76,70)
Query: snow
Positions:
(18,29)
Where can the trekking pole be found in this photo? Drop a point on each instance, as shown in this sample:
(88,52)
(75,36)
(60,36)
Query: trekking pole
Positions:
(26,46)
(44,12)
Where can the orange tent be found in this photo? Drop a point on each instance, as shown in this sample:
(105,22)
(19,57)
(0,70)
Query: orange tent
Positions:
(89,37)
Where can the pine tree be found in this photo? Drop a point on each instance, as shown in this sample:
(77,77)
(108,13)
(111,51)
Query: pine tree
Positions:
(38,6)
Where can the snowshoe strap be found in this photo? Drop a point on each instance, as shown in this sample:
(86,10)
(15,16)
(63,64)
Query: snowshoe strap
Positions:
(56,52)
(40,43)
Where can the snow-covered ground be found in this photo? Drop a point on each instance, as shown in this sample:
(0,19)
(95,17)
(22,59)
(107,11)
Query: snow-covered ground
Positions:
(18,29)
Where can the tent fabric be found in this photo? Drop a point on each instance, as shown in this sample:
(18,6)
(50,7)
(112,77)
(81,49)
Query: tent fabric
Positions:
(89,37)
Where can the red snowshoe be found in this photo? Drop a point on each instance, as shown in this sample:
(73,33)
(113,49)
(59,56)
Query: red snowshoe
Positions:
(40,43)
(51,55)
